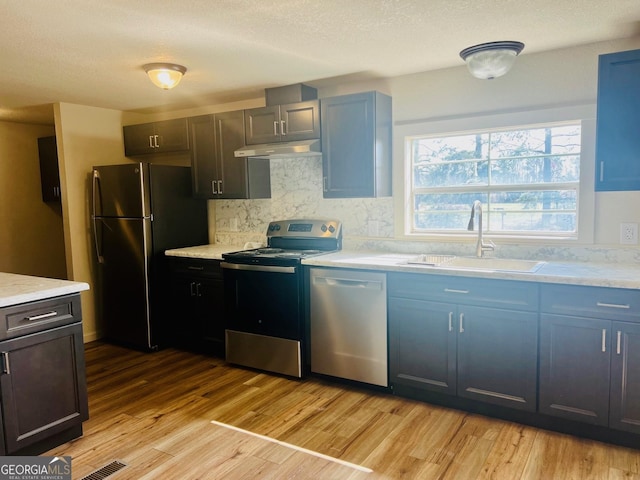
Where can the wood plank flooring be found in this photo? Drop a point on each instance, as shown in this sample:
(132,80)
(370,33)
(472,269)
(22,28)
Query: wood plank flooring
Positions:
(154,413)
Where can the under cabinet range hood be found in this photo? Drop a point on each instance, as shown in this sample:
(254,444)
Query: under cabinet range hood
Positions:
(288,126)
(301,148)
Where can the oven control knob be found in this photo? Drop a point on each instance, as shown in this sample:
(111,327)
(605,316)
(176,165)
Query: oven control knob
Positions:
(332,229)
(276,227)
(323,228)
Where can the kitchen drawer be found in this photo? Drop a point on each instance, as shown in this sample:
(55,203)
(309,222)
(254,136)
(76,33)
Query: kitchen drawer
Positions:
(195,266)
(41,315)
(594,302)
(466,291)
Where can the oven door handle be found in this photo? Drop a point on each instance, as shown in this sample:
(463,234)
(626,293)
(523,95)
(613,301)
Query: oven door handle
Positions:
(257,268)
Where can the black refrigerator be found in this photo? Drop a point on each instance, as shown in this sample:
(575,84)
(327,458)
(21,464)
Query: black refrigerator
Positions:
(139,210)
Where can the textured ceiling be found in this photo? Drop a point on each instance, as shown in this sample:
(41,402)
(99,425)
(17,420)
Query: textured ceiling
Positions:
(91,52)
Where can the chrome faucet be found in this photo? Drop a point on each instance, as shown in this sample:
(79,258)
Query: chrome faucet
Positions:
(481,246)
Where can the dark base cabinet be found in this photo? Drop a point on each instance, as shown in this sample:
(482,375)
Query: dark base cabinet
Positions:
(590,355)
(450,345)
(43,383)
(447,337)
(197,295)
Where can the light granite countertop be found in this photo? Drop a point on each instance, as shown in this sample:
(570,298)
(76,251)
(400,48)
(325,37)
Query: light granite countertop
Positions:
(16,289)
(617,275)
(576,273)
(208,252)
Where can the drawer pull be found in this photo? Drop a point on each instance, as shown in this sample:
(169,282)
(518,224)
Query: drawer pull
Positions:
(604,340)
(453,290)
(191,267)
(41,317)
(613,305)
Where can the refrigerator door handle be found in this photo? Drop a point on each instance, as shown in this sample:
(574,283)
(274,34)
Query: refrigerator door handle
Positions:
(94,188)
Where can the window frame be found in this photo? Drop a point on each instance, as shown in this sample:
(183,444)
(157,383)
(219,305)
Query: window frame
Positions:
(404,131)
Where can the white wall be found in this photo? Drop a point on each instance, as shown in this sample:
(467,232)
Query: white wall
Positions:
(86,136)
(556,81)
(31,237)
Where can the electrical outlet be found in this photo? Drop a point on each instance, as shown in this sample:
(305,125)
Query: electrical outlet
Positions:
(629,233)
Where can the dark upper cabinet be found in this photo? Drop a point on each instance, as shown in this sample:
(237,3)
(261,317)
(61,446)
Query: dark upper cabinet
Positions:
(167,136)
(356,145)
(283,123)
(617,140)
(217,173)
(49,172)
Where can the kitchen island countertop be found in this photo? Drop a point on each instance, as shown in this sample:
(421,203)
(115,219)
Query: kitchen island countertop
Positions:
(615,275)
(16,289)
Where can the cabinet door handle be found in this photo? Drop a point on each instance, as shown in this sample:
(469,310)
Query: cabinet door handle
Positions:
(150,141)
(192,289)
(453,290)
(41,317)
(283,130)
(213,187)
(155,137)
(324,184)
(461,324)
(275,128)
(613,305)
(604,340)
(450,321)
(5,363)
(198,294)
(618,342)
(602,171)
(219,187)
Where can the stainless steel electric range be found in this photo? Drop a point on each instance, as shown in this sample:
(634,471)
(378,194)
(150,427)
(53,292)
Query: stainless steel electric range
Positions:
(264,305)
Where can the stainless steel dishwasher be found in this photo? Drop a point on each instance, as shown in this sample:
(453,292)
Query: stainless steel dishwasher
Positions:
(348,317)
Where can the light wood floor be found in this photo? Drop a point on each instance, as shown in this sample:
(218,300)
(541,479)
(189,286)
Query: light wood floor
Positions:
(154,413)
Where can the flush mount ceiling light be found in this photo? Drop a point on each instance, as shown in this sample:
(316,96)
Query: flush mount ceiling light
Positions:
(165,75)
(491,60)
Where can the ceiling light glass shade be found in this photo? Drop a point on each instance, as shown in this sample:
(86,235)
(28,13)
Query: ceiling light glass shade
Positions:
(165,75)
(491,60)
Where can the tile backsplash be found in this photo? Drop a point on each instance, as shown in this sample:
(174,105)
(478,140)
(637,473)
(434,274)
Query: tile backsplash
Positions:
(368,223)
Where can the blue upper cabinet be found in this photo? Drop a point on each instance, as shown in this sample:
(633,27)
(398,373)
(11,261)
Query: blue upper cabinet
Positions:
(618,122)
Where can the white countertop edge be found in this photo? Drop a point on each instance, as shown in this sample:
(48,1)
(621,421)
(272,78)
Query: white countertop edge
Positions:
(205,252)
(16,289)
(613,275)
(574,273)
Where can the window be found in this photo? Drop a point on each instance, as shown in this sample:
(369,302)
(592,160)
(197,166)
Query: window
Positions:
(526,178)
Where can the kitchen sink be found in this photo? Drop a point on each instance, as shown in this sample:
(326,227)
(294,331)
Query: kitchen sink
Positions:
(431,260)
(496,264)
(475,263)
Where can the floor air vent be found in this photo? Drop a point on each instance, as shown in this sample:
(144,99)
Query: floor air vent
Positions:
(105,471)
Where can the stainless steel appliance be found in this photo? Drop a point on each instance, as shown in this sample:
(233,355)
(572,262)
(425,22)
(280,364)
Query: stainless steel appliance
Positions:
(264,304)
(348,323)
(139,210)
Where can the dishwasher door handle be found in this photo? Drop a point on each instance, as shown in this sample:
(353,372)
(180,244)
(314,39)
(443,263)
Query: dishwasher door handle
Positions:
(348,283)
